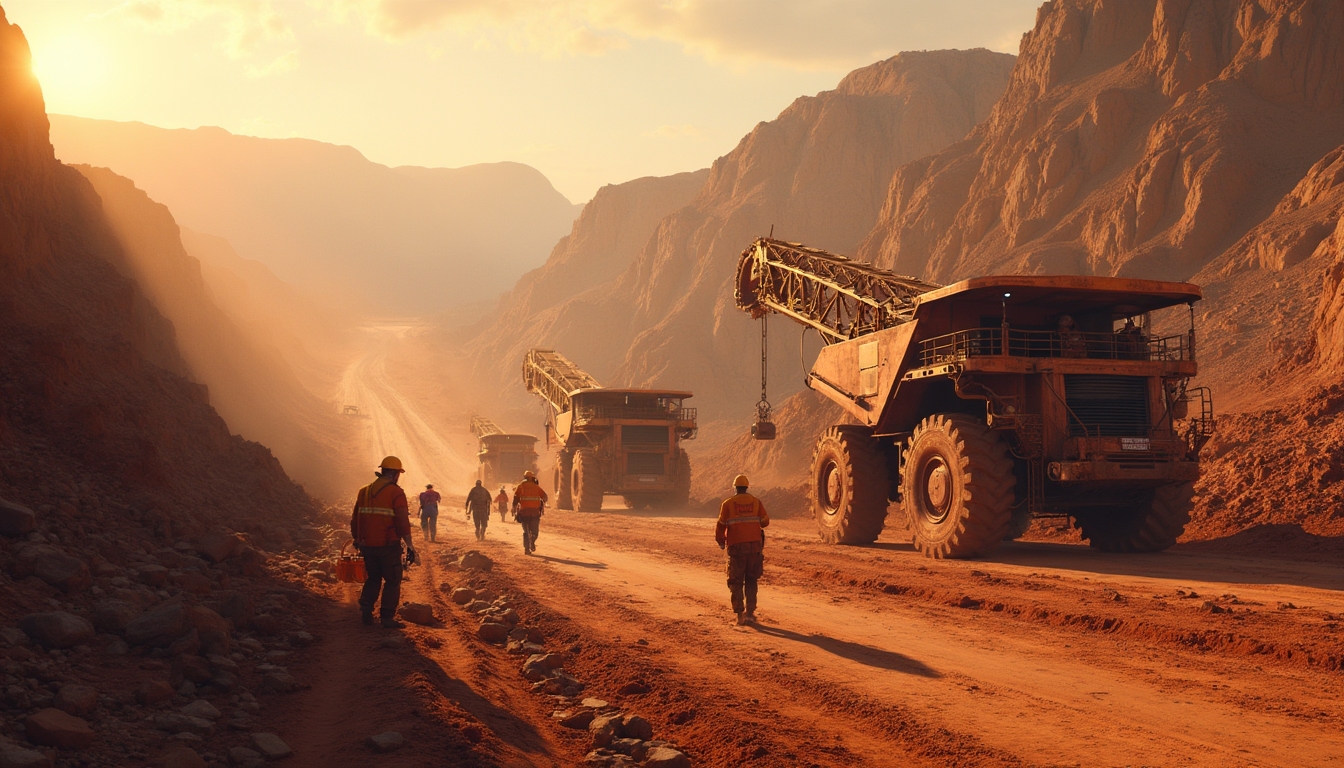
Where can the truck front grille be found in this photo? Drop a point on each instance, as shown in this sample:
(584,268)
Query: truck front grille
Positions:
(644,434)
(644,464)
(1107,406)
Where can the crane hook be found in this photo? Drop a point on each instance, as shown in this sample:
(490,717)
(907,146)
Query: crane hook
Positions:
(763,428)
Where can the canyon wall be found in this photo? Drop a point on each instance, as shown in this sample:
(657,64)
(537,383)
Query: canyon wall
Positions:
(382,240)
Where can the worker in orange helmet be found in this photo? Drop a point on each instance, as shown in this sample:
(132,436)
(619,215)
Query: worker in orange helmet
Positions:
(529,503)
(379,525)
(740,530)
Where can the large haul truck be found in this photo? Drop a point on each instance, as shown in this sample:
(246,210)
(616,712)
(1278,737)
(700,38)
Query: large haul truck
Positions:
(503,457)
(981,405)
(624,442)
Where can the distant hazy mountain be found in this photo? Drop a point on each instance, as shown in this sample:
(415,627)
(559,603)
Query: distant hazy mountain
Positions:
(325,218)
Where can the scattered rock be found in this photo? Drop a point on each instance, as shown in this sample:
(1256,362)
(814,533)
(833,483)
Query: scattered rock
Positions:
(53,728)
(159,626)
(243,756)
(633,688)
(78,700)
(153,692)
(386,742)
(605,729)
(463,595)
(967,601)
(477,561)
(57,629)
(417,613)
(193,669)
(542,665)
(176,722)
(180,757)
(478,606)
(578,720)
(16,519)
(202,709)
(666,757)
(218,546)
(153,575)
(14,636)
(15,756)
(113,615)
(593,703)
(277,682)
(636,727)
(270,746)
(493,632)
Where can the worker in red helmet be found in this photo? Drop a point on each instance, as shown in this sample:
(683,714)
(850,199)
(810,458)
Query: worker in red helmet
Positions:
(380,523)
(741,531)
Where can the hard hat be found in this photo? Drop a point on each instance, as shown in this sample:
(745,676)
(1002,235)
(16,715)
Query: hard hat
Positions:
(431,485)
(740,481)
(530,475)
(392,462)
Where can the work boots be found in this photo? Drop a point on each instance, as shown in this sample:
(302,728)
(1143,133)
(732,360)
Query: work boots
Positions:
(741,619)
(750,617)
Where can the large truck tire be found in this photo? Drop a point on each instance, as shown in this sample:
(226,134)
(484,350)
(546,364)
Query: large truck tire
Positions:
(564,492)
(957,486)
(850,485)
(1149,526)
(587,481)
(681,490)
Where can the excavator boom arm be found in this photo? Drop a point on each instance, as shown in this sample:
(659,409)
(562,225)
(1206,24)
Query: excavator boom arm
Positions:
(841,299)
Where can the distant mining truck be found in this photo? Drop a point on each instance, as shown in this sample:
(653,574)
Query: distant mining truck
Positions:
(982,405)
(624,442)
(503,457)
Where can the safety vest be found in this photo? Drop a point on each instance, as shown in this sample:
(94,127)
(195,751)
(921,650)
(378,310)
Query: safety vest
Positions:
(529,496)
(375,518)
(741,519)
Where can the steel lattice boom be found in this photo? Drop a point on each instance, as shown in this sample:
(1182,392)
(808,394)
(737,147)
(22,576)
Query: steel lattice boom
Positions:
(483,427)
(841,299)
(554,377)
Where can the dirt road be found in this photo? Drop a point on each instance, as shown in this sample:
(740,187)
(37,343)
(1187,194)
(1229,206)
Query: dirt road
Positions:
(1044,654)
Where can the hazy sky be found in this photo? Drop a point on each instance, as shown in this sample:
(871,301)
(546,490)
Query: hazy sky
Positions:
(588,91)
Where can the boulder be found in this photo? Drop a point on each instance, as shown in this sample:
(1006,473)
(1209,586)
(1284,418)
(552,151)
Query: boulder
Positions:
(237,607)
(53,728)
(176,722)
(219,546)
(278,681)
(212,628)
(633,688)
(486,595)
(159,626)
(152,575)
(16,519)
(605,729)
(579,720)
(666,757)
(417,613)
(542,665)
(386,742)
(636,727)
(463,595)
(493,632)
(14,756)
(78,700)
(180,757)
(270,746)
(244,756)
(191,668)
(477,561)
(152,692)
(57,629)
(113,615)
(13,636)
(53,566)
(202,709)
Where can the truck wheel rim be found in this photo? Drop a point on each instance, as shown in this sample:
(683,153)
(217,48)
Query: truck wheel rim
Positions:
(831,488)
(937,487)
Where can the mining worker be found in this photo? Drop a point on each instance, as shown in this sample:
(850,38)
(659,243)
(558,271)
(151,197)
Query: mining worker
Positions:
(1071,341)
(1131,341)
(478,506)
(429,512)
(379,525)
(502,502)
(529,503)
(740,530)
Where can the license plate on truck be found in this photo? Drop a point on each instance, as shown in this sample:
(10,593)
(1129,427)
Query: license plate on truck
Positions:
(1135,444)
(648,479)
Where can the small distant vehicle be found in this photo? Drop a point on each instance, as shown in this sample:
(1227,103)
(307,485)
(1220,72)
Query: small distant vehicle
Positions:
(350,410)
(503,457)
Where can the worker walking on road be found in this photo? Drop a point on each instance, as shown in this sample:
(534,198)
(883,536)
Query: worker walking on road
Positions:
(502,502)
(529,503)
(379,525)
(478,506)
(740,530)
(429,512)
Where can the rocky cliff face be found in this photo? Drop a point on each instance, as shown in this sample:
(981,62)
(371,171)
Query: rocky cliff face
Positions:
(818,173)
(324,218)
(248,381)
(97,421)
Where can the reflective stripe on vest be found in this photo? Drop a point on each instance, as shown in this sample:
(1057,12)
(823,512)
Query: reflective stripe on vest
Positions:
(738,520)
(377,511)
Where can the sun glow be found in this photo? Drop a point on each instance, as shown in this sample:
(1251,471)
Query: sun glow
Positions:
(70,68)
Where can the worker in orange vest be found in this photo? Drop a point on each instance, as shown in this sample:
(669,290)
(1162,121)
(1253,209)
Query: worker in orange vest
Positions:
(740,530)
(380,523)
(529,503)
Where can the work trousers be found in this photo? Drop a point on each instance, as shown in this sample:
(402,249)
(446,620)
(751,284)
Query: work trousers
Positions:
(481,517)
(531,527)
(503,510)
(383,566)
(430,525)
(744,571)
